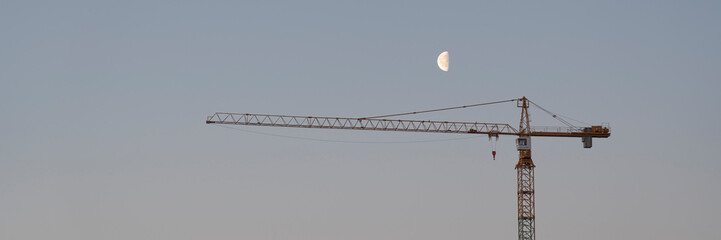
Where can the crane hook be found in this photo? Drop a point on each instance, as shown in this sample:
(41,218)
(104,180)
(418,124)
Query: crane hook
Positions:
(493,144)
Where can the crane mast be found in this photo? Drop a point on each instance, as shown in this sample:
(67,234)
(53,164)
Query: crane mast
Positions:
(524,175)
(524,167)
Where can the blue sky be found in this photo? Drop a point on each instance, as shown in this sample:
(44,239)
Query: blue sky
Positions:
(102,110)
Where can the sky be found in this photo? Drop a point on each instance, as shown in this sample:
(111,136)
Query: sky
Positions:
(103,107)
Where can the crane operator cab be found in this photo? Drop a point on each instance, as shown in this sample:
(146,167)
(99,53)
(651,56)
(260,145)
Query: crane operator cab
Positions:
(523,143)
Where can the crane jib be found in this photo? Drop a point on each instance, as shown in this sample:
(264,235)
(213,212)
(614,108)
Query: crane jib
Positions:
(397,125)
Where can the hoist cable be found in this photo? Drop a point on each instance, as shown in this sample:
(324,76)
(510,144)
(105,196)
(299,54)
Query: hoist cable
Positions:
(343,141)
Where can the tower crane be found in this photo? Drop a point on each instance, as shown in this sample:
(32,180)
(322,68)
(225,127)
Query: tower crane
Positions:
(524,167)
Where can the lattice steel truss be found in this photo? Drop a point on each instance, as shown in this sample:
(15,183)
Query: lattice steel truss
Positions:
(381,124)
(524,169)
(361,123)
(526,200)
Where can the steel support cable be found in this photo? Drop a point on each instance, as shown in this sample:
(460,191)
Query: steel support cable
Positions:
(575,120)
(553,115)
(444,109)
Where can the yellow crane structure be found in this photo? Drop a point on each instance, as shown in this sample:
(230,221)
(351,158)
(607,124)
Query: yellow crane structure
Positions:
(524,167)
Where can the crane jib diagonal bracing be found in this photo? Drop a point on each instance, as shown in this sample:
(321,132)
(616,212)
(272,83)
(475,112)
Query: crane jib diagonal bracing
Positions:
(524,167)
(361,123)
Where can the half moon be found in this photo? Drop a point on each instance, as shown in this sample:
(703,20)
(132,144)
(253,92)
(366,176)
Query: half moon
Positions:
(443,61)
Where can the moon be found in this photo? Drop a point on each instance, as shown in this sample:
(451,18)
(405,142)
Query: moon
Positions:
(443,61)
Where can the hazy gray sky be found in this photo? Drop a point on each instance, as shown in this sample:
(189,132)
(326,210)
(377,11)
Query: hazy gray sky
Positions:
(102,110)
